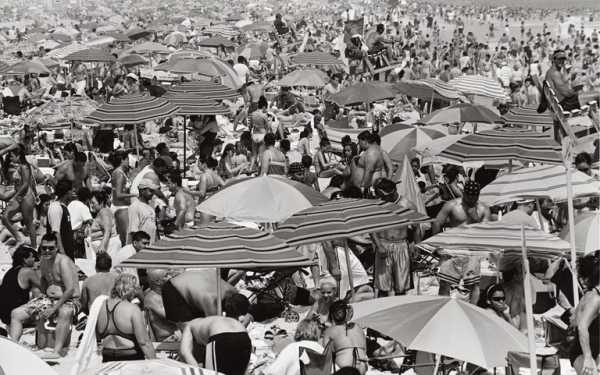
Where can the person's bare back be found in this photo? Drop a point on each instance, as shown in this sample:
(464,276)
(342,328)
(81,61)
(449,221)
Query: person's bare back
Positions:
(349,346)
(204,328)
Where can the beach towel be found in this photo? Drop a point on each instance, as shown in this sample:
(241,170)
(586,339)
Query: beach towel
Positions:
(87,357)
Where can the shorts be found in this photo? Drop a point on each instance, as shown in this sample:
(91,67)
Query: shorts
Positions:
(463,268)
(393,270)
(38,305)
(228,353)
(177,308)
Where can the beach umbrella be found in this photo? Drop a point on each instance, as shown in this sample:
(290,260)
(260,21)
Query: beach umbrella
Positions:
(364,93)
(48,44)
(304,78)
(61,53)
(61,38)
(504,144)
(264,26)
(528,116)
(17,359)
(132,60)
(101,41)
(117,36)
(91,55)
(225,31)
(542,181)
(218,245)
(428,89)
(338,129)
(138,33)
(274,199)
(132,109)
(345,218)
(175,38)
(216,41)
(208,67)
(253,51)
(479,85)
(587,239)
(241,23)
(462,112)
(315,59)
(189,54)
(492,237)
(27,67)
(190,104)
(4,67)
(148,48)
(437,324)
(163,366)
(204,90)
(398,140)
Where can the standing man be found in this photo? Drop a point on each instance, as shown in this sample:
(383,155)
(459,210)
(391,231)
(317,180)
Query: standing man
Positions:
(142,216)
(74,170)
(567,97)
(59,219)
(374,162)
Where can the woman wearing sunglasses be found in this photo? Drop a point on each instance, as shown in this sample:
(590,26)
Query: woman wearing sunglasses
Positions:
(494,300)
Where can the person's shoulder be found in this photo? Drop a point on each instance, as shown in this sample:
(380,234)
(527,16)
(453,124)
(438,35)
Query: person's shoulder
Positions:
(62,259)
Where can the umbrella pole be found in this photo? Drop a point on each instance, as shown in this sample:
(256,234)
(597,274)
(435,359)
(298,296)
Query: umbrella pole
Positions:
(184,145)
(219,292)
(571,212)
(528,305)
(438,360)
(540,217)
(431,103)
(349,267)
(137,146)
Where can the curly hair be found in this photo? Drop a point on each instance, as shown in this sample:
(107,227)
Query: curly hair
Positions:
(125,288)
(588,268)
(308,329)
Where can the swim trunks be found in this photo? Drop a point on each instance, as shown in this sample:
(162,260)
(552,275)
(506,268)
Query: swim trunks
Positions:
(228,353)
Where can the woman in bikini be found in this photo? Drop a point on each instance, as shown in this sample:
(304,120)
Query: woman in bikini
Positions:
(273,161)
(121,198)
(348,339)
(103,232)
(324,166)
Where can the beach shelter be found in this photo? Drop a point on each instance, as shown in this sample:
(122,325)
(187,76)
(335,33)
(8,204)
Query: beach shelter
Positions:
(428,89)
(528,116)
(132,109)
(91,55)
(132,60)
(204,90)
(216,42)
(364,93)
(479,85)
(27,67)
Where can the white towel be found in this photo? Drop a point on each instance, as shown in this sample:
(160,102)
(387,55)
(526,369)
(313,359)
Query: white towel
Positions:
(87,354)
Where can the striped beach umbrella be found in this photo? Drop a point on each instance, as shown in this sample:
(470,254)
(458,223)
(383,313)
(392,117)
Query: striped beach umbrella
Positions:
(189,54)
(226,31)
(100,42)
(527,116)
(304,78)
(4,67)
(315,59)
(364,92)
(427,89)
(148,48)
(132,60)
(138,33)
(273,199)
(338,129)
(491,237)
(27,67)
(190,104)
(462,112)
(253,51)
(152,366)
(117,36)
(543,181)
(479,85)
(61,53)
(398,140)
(345,218)
(91,55)
(505,144)
(218,245)
(204,90)
(265,26)
(216,41)
(587,239)
(132,109)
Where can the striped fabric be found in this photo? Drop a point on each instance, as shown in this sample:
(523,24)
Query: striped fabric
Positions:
(168,366)
(505,144)
(483,238)
(337,129)
(218,245)
(462,112)
(132,109)
(132,60)
(544,181)
(364,92)
(61,53)
(345,218)
(399,140)
(205,90)
(91,55)
(315,59)
(527,116)
(148,48)
(428,88)
(479,85)
(305,78)
(191,104)
(216,41)
(222,30)
(4,67)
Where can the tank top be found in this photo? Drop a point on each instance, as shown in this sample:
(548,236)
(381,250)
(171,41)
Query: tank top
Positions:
(12,294)
(66,232)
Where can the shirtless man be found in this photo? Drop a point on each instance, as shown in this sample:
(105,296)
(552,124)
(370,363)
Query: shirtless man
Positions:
(566,96)
(453,270)
(185,205)
(75,171)
(192,294)
(228,346)
(57,270)
(7,144)
(208,182)
(392,260)
(348,339)
(153,173)
(374,163)
(99,284)
(153,303)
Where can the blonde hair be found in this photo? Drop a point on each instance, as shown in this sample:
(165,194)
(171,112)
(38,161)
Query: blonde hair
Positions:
(308,329)
(125,288)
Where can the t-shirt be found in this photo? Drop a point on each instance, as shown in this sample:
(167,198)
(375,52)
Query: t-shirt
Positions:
(288,361)
(359,274)
(80,213)
(119,256)
(242,71)
(142,217)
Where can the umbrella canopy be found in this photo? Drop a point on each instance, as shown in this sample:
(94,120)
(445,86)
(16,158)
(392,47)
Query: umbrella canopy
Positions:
(148,48)
(99,42)
(132,60)
(175,38)
(117,36)
(399,140)
(427,89)
(17,359)
(132,109)
(274,199)
(61,53)
(138,33)
(337,129)
(190,104)
(483,238)
(528,116)
(216,41)
(4,67)
(28,67)
(345,218)
(462,112)
(204,90)
(364,92)
(58,113)
(253,51)
(315,59)
(304,77)
(222,30)
(265,26)
(505,144)
(542,181)
(587,239)
(436,324)
(189,54)
(218,245)
(479,85)
(162,366)
(91,55)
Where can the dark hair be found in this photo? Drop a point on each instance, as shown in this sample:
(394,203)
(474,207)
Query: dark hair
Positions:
(262,102)
(353,147)
(385,189)
(49,237)
(487,295)
(176,178)
(269,139)
(228,147)
(63,187)
(80,157)
(346,140)
(337,181)
(139,235)
(21,253)
(235,305)
(160,147)
(84,194)
(588,268)
(117,157)
(284,145)
(365,136)
(583,157)
(241,59)
(324,142)
(159,163)
(70,147)
(101,196)
(211,163)
(103,262)
(375,138)
(21,154)
(307,161)
(339,312)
